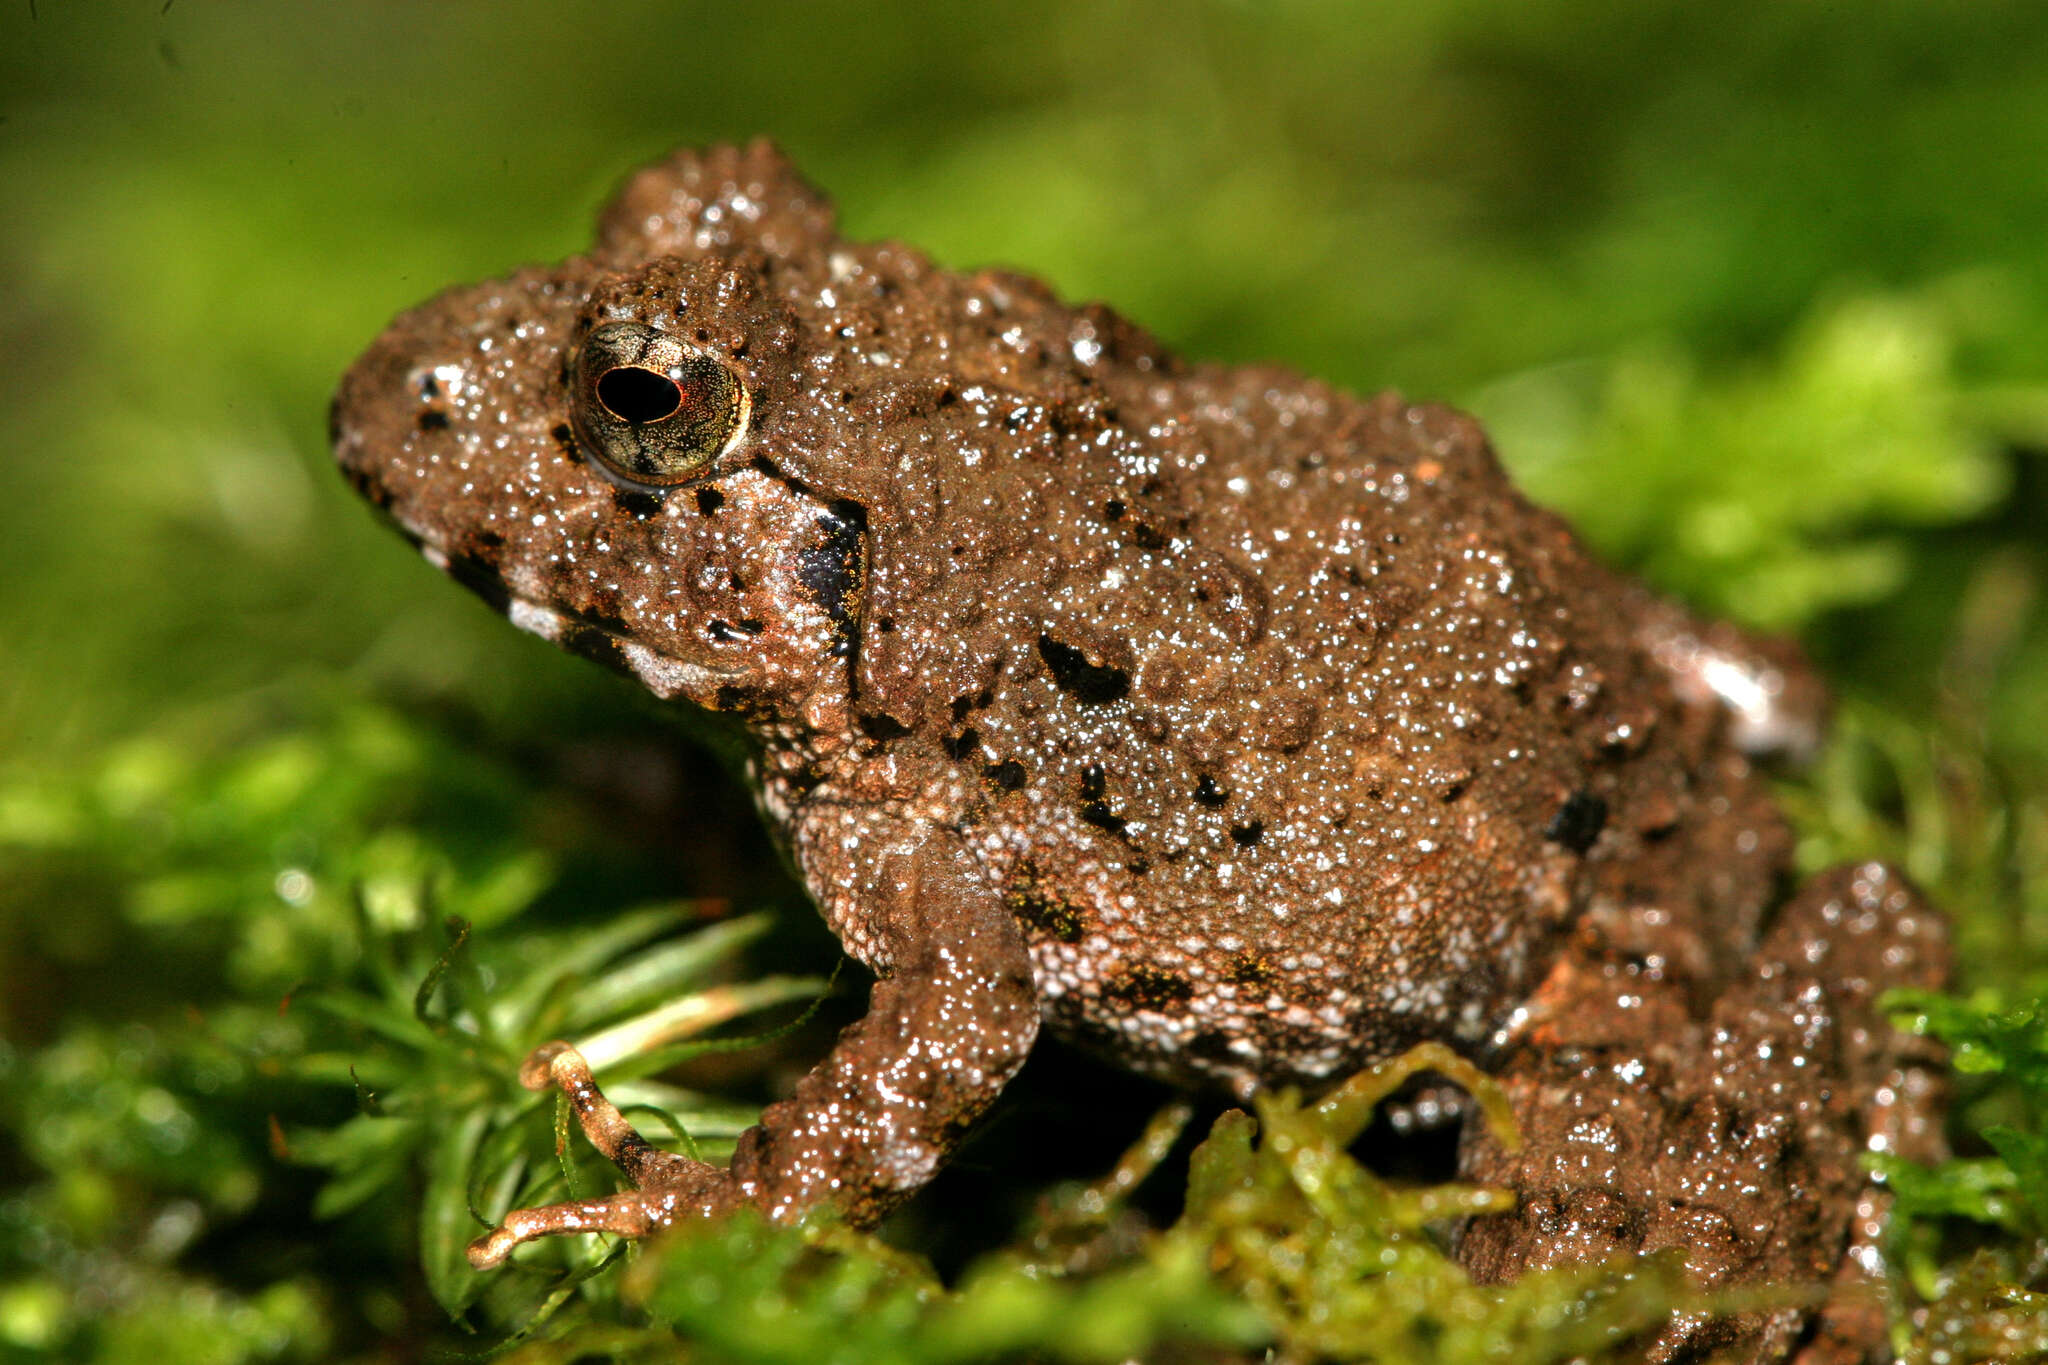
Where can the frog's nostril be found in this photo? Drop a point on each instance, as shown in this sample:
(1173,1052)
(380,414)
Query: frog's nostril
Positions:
(638,395)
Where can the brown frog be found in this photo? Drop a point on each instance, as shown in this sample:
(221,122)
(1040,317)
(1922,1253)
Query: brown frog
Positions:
(1243,730)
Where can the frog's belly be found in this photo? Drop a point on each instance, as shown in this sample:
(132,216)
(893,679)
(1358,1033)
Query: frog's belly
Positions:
(1297,961)
(1232,1022)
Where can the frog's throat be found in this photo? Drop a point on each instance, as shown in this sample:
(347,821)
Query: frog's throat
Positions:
(666,677)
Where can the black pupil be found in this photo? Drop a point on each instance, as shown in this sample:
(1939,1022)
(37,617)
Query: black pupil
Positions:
(638,396)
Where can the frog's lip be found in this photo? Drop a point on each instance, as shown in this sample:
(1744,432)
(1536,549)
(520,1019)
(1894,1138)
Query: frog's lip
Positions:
(662,674)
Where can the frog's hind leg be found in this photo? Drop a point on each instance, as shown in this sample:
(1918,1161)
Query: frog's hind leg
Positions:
(1869,931)
(1727,1134)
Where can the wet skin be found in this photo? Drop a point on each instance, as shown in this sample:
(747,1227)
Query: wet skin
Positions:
(1240,729)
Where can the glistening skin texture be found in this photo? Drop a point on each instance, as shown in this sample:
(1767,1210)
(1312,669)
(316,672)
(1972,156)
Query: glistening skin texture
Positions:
(1245,731)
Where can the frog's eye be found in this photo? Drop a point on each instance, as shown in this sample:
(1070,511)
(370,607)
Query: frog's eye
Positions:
(654,411)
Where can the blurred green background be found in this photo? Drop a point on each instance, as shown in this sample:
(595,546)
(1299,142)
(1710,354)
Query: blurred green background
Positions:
(1757,292)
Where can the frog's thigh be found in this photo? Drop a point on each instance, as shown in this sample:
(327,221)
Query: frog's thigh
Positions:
(1863,929)
(1867,930)
(1733,1139)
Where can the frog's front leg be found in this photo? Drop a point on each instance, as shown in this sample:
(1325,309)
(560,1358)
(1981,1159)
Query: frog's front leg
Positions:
(949,1022)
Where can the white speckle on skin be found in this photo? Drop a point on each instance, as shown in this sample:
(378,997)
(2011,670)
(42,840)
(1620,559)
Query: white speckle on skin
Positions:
(534,619)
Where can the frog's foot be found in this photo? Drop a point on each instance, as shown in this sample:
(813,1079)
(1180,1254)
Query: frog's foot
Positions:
(667,1186)
(1732,1140)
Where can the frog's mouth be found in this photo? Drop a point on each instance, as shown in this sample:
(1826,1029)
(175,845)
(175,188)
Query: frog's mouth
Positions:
(602,642)
(408,506)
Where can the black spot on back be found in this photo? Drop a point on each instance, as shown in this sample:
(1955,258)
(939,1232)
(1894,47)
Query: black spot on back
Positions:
(1145,987)
(881,727)
(1098,814)
(1038,909)
(1578,821)
(1090,684)
(1247,969)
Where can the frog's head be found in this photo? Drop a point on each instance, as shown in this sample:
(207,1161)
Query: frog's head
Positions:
(590,448)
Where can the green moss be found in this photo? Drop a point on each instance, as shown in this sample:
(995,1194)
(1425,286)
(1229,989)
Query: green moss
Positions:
(1753,291)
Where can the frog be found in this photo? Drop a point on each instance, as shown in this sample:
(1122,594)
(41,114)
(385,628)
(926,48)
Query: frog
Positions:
(1239,729)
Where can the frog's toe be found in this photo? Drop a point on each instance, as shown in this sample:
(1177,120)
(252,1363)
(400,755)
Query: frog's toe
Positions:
(668,1186)
(634,1213)
(537,1072)
(560,1064)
